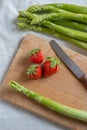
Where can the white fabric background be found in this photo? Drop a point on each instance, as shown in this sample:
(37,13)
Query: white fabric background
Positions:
(12,117)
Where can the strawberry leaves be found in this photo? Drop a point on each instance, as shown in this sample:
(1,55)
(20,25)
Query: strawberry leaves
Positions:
(34,51)
(32,69)
(54,61)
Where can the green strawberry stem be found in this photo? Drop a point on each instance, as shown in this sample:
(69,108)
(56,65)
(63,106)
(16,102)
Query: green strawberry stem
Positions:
(34,51)
(58,107)
(32,69)
(54,61)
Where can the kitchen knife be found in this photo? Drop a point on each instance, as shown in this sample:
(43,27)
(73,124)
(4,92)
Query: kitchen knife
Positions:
(69,62)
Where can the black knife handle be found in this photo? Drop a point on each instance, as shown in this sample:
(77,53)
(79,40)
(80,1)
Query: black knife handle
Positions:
(84,79)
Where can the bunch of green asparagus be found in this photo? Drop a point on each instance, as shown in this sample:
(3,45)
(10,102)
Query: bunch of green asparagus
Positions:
(64,21)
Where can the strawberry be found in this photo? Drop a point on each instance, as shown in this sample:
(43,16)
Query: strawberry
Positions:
(34,71)
(51,66)
(36,56)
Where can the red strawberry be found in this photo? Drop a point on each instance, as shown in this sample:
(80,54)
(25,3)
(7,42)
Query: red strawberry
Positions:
(51,66)
(34,71)
(36,56)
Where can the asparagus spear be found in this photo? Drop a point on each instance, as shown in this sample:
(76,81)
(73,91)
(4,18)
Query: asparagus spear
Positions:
(27,15)
(44,9)
(58,107)
(71,24)
(67,31)
(58,7)
(70,7)
(60,16)
(46,30)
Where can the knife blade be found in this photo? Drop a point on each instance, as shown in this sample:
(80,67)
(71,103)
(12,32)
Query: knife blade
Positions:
(73,67)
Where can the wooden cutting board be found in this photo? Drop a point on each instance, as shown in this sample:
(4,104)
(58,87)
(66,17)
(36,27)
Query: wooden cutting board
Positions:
(62,87)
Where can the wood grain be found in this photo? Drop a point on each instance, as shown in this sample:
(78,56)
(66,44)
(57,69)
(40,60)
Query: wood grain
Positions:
(62,87)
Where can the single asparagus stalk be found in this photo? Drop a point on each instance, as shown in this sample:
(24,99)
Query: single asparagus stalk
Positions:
(44,9)
(27,14)
(58,107)
(60,16)
(70,7)
(46,30)
(71,24)
(67,31)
